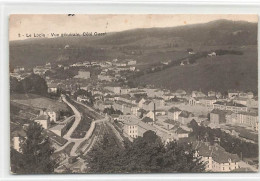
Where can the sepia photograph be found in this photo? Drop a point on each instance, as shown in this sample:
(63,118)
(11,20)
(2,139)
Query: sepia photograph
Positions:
(133,93)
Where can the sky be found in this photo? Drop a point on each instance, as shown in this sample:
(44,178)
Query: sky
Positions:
(46,24)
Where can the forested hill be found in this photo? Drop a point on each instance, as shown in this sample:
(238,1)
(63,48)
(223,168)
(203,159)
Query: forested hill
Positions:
(116,45)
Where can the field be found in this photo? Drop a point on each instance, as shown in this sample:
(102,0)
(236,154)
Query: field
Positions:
(38,102)
(219,73)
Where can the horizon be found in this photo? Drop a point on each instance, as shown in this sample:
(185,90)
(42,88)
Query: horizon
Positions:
(26,24)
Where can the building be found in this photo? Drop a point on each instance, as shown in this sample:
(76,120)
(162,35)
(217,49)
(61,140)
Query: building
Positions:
(216,158)
(18,69)
(174,113)
(232,93)
(102,105)
(134,127)
(158,101)
(180,93)
(53,115)
(62,128)
(247,119)
(151,115)
(211,94)
(43,120)
(197,94)
(114,89)
(131,62)
(193,101)
(181,133)
(219,116)
(230,106)
(148,105)
(82,74)
(52,88)
(40,70)
(18,136)
(82,99)
(207,101)
(212,54)
(125,107)
(105,78)
(148,120)
(168,96)
(126,98)
(185,117)
(241,100)
(130,125)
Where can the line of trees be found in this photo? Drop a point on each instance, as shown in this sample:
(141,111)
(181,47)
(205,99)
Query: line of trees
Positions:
(145,154)
(31,84)
(230,143)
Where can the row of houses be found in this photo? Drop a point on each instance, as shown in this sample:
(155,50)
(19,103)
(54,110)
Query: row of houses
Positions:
(245,119)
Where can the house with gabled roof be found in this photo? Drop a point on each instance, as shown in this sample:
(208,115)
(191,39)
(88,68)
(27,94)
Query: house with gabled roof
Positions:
(174,113)
(215,157)
(185,117)
(43,120)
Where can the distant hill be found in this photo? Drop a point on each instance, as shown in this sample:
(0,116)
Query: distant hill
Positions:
(220,73)
(140,41)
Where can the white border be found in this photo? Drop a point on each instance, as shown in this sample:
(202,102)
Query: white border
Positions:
(104,7)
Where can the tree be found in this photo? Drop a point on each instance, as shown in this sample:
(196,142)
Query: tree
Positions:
(36,157)
(15,85)
(145,154)
(150,136)
(34,84)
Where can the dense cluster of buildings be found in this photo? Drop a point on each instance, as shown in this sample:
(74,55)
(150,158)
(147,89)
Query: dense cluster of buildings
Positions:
(167,113)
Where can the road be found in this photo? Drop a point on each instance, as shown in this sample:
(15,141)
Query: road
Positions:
(78,141)
(76,122)
(243,164)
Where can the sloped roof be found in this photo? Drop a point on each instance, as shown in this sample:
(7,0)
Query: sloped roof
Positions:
(231,103)
(42,117)
(222,112)
(174,109)
(186,114)
(147,102)
(147,120)
(18,133)
(217,152)
(181,131)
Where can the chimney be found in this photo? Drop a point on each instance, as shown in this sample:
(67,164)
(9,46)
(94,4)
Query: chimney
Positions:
(154,112)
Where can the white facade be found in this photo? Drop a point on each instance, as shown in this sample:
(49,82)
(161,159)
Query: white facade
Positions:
(16,143)
(43,122)
(131,130)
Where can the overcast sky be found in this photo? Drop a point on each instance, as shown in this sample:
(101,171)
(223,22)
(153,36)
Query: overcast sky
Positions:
(48,24)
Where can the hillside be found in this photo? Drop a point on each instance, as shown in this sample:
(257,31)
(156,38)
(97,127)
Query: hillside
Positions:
(219,73)
(137,43)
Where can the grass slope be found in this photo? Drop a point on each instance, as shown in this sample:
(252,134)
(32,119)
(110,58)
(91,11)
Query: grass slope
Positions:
(217,73)
(38,102)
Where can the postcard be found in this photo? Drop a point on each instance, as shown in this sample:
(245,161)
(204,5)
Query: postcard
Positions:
(133,93)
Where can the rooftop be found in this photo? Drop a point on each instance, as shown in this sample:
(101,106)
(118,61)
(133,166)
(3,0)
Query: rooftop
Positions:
(186,114)
(181,131)
(217,152)
(147,120)
(42,117)
(231,103)
(174,109)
